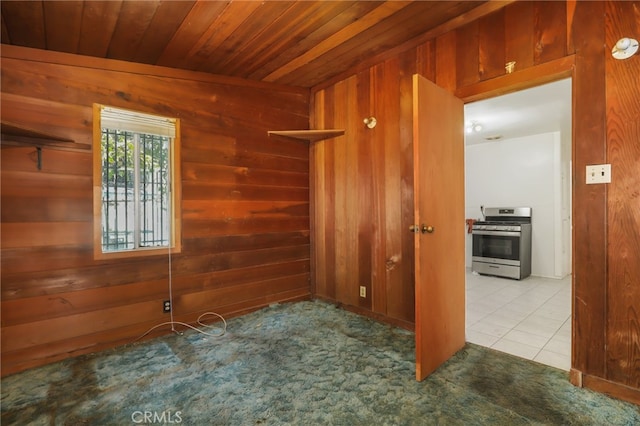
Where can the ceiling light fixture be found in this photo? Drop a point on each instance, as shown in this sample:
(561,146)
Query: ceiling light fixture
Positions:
(625,48)
(474,127)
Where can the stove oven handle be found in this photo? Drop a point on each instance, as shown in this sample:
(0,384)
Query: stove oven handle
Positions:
(497,233)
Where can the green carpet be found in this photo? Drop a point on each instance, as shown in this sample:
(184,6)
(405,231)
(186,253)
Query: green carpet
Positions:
(307,363)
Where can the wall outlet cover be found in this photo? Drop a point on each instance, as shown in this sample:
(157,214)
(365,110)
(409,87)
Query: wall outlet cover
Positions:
(363,291)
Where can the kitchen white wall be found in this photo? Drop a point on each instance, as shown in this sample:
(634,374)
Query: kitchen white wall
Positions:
(522,172)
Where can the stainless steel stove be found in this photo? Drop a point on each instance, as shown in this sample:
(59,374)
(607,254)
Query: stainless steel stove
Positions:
(502,242)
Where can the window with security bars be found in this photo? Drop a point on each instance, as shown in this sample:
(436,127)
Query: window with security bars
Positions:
(136,181)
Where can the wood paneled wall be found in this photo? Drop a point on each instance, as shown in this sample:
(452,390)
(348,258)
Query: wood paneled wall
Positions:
(245,206)
(362,186)
(622,292)
(362,183)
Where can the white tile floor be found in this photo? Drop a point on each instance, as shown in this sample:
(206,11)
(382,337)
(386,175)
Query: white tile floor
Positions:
(530,318)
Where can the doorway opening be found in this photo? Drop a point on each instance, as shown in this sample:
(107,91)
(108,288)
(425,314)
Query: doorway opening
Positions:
(518,154)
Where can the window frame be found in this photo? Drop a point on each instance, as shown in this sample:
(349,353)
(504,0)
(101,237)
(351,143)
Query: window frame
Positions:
(175,199)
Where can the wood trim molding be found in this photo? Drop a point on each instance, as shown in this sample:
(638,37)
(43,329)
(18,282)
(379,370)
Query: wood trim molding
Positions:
(598,384)
(575,377)
(369,314)
(518,80)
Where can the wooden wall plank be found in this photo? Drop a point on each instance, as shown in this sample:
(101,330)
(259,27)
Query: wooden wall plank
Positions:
(23,159)
(403,304)
(519,34)
(30,184)
(195,190)
(46,209)
(341,230)
(467,54)
(550,20)
(491,41)
(378,86)
(223,209)
(243,175)
(17,235)
(364,189)
(394,258)
(243,242)
(426,58)
(589,201)
(331,199)
(446,60)
(20,260)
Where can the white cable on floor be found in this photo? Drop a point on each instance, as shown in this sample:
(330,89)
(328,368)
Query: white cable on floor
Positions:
(199,320)
(200,323)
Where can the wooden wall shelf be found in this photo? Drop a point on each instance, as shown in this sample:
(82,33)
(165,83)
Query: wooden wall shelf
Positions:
(17,134)
(308,135)
(19,130)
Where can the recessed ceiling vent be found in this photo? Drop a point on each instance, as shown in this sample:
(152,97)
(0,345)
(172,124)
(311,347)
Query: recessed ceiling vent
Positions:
(493,138)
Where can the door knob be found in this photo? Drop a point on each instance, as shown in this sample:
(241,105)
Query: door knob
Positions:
(427,229)
(414,228)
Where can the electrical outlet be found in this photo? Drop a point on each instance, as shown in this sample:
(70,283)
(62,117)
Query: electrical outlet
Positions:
(599,173)
(166,306)
(363,291)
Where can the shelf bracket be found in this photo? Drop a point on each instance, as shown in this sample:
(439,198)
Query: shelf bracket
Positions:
(39,154)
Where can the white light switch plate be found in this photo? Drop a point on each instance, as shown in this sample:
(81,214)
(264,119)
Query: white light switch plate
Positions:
(599,173)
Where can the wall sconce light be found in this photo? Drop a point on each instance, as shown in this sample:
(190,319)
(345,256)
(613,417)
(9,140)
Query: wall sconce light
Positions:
(370,122)
(625,48)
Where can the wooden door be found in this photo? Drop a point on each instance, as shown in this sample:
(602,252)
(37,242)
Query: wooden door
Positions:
(438,141)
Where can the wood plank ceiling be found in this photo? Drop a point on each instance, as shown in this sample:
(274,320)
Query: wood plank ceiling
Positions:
(297,43)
